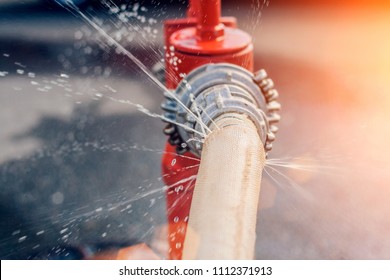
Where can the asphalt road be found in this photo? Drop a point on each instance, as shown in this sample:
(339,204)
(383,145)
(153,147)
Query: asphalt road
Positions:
(80,165)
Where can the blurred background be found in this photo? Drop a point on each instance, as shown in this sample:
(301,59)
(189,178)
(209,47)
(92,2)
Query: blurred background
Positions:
(80,164)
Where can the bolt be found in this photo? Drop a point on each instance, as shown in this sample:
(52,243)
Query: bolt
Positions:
(268,146)
(170,116)
(271,95)
(168,106)
(266,84)
(273,106)
(274,129)
(169,129)
(270,136)
(273,118)
(259,76)
(198,146)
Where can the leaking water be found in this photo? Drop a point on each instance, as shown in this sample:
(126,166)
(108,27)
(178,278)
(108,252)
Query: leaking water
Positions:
(81,144)
(70,223)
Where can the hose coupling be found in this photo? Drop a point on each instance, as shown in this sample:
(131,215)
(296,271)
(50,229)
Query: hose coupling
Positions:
(212,91)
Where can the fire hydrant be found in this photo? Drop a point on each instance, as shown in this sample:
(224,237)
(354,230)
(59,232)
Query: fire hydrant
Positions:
(209,64)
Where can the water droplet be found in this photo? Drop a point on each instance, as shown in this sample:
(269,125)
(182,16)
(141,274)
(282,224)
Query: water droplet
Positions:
(20,71)
(178,245)
(20,64)
(23,238)
(88,50)
(40,232)
(176,219)
(104,234)
(173,162)
(84,70)
(107,72)
(78,35)
(114,9)
(110,88)
(98,70)
(57,198)
(179,188)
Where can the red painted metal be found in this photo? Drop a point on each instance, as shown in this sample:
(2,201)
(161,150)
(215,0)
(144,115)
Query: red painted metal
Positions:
(173,25)
(201,38)
(209,27)
(193,8)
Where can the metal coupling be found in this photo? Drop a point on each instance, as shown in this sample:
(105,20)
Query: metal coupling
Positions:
(213,90)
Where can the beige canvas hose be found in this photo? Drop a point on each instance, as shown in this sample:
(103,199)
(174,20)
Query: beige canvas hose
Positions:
(222,221)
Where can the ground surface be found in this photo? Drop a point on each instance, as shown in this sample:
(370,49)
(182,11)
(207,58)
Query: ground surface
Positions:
(78,165)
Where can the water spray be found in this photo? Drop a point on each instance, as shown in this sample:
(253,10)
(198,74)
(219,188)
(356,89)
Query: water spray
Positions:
(209,66)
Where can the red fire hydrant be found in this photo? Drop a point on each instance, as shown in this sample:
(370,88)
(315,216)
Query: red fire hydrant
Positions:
(201,38)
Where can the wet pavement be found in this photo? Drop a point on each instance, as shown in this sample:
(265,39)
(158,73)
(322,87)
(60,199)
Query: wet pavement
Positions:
(79,164)
(75,158)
